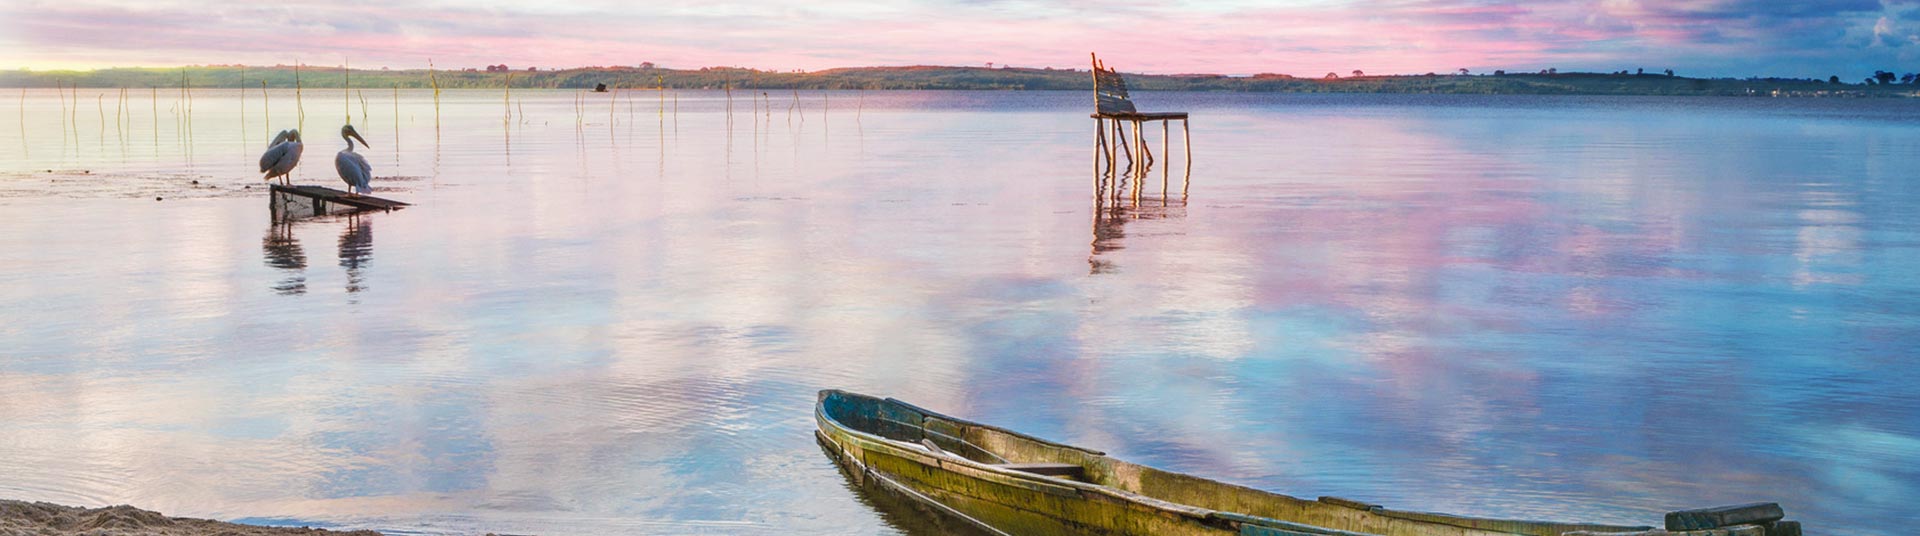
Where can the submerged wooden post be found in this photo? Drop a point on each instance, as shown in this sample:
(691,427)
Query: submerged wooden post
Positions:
(1186,139)
(1099,147)
(1113,146)
(1139,148)
(1165,152)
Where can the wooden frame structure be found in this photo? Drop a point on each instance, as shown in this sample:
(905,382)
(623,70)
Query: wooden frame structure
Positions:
(1111,103)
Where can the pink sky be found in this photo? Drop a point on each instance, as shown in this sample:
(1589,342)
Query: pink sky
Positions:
(1305,38)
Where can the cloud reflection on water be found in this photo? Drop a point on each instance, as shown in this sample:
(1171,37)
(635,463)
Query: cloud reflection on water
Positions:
(1542,308)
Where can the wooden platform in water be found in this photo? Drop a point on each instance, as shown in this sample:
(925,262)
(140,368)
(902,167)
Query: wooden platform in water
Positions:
(308,201)
(322,193)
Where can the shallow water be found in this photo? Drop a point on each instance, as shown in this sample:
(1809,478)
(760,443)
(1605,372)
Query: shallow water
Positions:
(614,320)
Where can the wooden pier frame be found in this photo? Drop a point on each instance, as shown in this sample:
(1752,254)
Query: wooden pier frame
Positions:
(294,202)
(1112,103)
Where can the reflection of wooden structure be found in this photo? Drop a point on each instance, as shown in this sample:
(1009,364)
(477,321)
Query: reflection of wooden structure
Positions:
(1112,103)
(1118,201)
(290,202)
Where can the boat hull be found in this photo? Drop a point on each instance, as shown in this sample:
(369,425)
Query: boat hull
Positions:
(973,470)
(1004,505)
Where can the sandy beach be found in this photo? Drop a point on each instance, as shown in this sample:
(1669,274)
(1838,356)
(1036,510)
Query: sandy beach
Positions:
(19,518)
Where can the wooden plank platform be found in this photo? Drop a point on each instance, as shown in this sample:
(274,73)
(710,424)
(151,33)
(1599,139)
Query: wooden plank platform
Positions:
(306,201)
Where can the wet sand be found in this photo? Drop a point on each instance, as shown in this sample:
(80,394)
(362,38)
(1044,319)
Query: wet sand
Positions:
(18,518)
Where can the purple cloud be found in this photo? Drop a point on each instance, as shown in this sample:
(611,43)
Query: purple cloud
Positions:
(1702,37)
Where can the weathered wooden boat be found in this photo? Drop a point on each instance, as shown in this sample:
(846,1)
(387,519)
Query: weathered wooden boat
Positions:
(1010,483)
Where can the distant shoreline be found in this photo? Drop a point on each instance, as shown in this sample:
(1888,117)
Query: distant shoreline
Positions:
(937,78)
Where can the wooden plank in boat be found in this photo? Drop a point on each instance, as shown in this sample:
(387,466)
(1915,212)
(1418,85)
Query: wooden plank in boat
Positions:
(1517,526)
(1349,503)
(1724,516)
(1048,469)
(1263,526)
(1736,530)
(1256,530)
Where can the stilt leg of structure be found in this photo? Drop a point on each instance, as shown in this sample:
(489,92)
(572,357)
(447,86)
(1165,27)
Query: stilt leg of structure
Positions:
(1186,138)
(1099,147)
(1139,162)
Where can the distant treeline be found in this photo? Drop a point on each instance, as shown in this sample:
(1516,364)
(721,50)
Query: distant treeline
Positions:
(1005,78)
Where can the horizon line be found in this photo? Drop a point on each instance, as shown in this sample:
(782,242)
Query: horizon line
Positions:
(991,67)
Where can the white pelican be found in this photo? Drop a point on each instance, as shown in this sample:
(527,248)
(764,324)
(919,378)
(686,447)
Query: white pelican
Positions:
(281,155)
(353,168)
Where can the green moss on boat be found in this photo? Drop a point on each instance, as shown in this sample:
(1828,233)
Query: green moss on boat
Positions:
(1011,483)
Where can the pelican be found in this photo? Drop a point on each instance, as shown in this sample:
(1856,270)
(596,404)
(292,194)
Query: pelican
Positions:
(353,168)
(281,155)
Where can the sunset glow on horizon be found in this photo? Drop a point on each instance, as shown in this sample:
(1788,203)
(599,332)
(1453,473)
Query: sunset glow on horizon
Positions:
(1850,38)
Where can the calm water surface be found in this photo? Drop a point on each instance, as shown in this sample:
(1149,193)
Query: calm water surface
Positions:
(612,317)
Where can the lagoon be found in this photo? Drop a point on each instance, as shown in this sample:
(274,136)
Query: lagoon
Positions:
(609,313)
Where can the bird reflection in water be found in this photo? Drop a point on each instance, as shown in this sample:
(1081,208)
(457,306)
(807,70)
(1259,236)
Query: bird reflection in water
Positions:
(1123,194)
(356,250)
(282,252)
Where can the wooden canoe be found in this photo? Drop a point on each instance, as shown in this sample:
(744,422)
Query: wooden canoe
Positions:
(1009,483)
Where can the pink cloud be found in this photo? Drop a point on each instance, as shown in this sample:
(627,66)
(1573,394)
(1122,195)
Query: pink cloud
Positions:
(1405,36)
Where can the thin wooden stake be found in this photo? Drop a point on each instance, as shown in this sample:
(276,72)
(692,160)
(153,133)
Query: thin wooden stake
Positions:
(299,98)
(25,150)
(346,97)
(186,89)
(62,91)
(73,115)
(243,105)
(396,120)
(435,80)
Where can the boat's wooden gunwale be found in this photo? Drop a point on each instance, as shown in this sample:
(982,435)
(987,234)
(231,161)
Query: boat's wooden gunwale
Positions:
(985,426)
